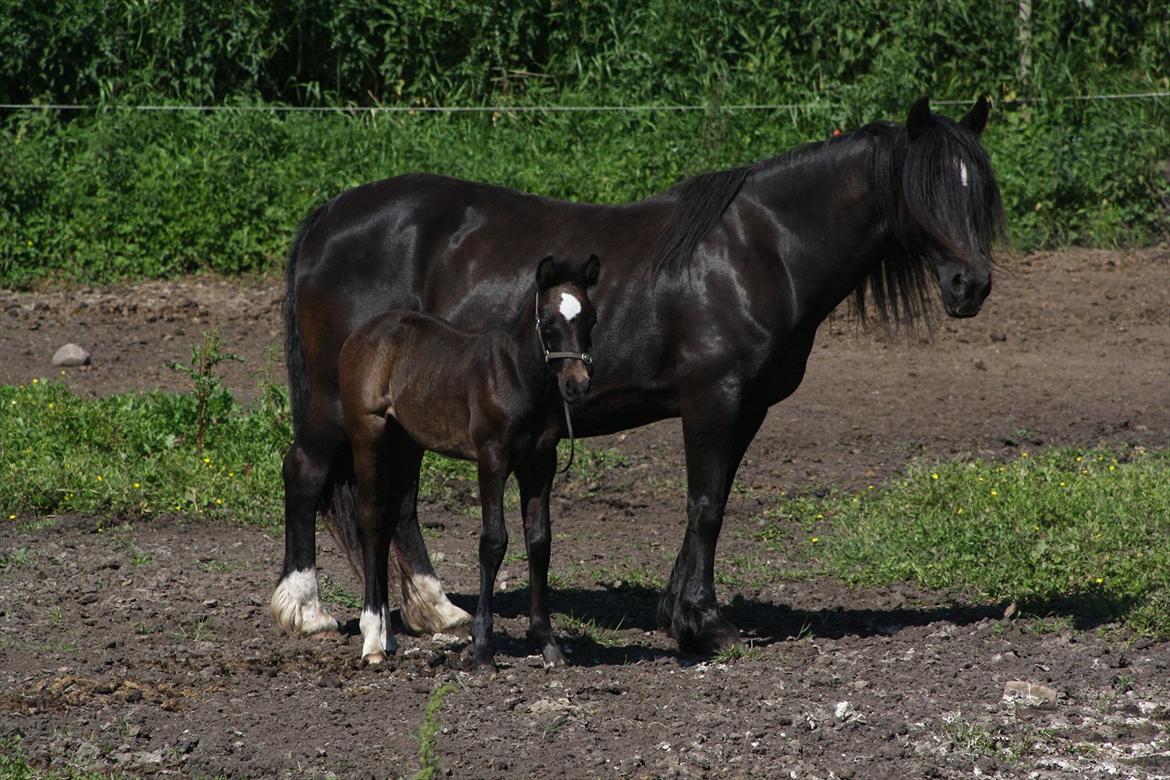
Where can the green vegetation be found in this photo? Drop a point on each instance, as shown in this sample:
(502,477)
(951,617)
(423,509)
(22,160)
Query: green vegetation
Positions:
(114,193)
(427,759)
(141,454)
(587,628)
(1081,533)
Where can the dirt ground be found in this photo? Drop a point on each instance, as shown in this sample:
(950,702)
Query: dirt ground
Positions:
(147,648)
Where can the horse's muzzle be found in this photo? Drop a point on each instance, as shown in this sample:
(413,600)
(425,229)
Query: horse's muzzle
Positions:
(964,290)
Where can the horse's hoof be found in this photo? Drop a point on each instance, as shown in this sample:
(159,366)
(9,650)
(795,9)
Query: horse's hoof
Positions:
(553,657)
(373,659)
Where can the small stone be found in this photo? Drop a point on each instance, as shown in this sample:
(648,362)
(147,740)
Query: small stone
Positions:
(1030,693)
(71,355)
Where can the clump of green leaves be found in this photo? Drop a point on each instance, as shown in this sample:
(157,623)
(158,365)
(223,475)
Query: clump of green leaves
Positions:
(205,358)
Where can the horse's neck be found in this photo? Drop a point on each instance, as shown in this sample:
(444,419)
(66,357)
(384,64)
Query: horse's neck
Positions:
(830,223)
(524,353)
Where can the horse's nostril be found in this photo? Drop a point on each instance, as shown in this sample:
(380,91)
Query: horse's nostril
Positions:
(957,283)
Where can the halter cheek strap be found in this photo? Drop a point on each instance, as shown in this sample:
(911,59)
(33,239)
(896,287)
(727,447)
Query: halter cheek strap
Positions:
(584,357)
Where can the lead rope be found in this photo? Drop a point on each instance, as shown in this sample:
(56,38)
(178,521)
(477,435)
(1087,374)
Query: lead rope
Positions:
(584,357)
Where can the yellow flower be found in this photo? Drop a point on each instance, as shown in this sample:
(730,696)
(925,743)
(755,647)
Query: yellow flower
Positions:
(870,487)
(815,539)
(1023,454)
(35,380)
(12,517)
(1100,580)
(820,516)
(960,511)
(1078,458)
(994,492)
(99,477)
(137,486)
(1112,468)
(219,501)
(934,476)
(231,473)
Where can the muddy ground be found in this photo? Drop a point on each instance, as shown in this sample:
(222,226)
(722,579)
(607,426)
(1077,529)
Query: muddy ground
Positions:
(147,648)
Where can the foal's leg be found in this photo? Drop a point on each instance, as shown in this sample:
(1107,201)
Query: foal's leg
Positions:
(536,477)
(376,521)
(716,432)
(295,605)
(493,543)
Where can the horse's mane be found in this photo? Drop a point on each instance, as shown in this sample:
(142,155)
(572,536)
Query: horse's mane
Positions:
(962,222)
(698,207)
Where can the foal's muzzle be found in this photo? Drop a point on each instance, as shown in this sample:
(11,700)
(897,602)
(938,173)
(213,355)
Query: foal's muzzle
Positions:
(574,377)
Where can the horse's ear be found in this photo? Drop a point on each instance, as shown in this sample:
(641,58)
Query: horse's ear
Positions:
(919,117)
(976,118)
(546,273)
(590,270)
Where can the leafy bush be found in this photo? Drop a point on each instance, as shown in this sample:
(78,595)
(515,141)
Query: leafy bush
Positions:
(99,195)
(153,194)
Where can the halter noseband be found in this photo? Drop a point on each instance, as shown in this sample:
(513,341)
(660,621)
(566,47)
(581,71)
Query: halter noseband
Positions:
(584,357)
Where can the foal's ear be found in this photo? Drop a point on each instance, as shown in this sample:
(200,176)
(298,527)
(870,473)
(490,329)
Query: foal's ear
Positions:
(590,270)
(919,117)
(976,118)
(546,273)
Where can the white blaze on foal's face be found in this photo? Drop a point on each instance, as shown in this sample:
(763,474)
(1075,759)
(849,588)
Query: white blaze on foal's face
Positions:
(570,306)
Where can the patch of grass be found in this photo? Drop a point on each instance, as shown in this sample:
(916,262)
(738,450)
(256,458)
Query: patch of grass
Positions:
(17,557)
(737,653)
(214,566)
(587,628)
(140,454)
(1061,532)
(427,759)
(339,594)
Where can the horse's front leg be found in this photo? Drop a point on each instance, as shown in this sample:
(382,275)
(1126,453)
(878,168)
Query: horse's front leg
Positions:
(295,605)
(493,543)
(716,431)
(536,477)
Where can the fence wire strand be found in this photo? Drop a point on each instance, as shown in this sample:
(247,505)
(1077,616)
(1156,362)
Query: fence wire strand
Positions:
(503,109)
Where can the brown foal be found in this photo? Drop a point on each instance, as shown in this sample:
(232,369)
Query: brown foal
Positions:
(411,382)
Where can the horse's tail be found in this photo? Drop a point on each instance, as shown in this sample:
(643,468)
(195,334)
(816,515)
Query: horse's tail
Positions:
(294,352)
(338,501)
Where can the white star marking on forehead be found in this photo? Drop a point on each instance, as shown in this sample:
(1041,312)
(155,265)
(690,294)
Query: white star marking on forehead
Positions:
(963,172)
(570,306)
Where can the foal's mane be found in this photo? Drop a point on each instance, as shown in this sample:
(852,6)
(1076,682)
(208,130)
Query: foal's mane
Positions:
(960,221)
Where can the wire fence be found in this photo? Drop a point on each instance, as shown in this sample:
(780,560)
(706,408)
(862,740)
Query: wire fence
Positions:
(528,109)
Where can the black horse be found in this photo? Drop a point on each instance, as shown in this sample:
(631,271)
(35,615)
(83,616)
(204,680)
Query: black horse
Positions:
(711,299)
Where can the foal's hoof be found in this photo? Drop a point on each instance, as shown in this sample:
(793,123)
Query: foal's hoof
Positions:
(553,657)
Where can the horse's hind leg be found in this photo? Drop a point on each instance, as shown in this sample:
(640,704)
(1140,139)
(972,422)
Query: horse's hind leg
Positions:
(377,507)
(536,478)
(425,607)
(295,605)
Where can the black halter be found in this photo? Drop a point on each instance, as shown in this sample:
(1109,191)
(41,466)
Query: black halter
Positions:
(549,357)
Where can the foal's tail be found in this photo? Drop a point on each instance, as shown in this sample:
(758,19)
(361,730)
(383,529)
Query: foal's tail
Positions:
(338,501)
